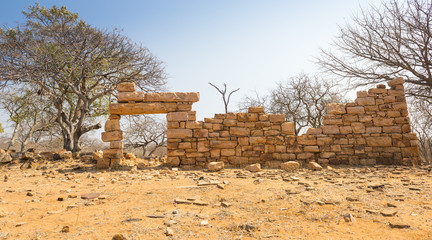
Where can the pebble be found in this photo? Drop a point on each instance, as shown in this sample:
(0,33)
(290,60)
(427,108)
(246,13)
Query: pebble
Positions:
(169,231)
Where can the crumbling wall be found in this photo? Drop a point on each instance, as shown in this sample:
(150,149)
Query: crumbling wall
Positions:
(374,129)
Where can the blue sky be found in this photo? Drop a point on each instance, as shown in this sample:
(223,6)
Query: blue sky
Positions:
(248,44)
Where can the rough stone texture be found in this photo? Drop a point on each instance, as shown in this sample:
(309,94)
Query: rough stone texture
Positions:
(253,167)
(126,87)
(290,166)
(374,129)
(314,166)
(130,96)
(215,166)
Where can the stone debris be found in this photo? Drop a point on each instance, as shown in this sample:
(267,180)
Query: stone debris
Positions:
(215,166)
(349,217)
(254,167)
(91,195)
(290,166)
(388,212)
(399,225)
(169,231)
(119,237)
(314,166)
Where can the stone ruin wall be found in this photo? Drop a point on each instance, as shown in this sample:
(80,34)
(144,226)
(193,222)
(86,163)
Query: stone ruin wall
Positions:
(374,129)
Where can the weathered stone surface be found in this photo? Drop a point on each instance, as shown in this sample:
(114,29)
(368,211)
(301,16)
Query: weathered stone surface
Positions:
(336,108)
(290,166)
(172,161)
(355,110)
(314,166)
(113,153)
(239,131)
(172,97)
(123,97)
(363,101)
(142,108)
(112,125)
(256,110)
(112,136)
(379,141)
(215,166)
(330,129)
(253,167)
(177,116)
(288,128)
(179,133)
(126,87)
(396,81)
(314,131)
(116,144)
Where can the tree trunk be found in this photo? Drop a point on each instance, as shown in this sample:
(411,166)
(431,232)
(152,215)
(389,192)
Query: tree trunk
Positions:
(14,135)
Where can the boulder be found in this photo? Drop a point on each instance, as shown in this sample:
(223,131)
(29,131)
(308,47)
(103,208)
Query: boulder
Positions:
(5,157)
(290,166)
(253,167)
(215,166)
(314,166)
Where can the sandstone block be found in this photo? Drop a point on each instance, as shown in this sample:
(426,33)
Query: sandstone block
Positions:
(116,145)
(389,99)
(392,129)
(311,149)
(230,122)
(336,108)
(288,128)
(363,101)
(304,156)
(112,125)
(327,154)
(324,141)
(373,129)
(103,163)
(356,110)
(290,166)
(175,153)
(113,153)
(257,140)
(379,122)
(314,166)
(307,140)
(215,166)
(277,117)
(98,156)
(256,110)
(124,97)
(330,129)
(379,141)
(400,106)
(126,87)
(332,121)
(345,129)
(172,161)
(314,131)
(194,124)
(396,81)
(350,118)
(247,117)
(200,133)
(239,131)
(172,97)
(228,152)
(141,108)
(179,133)
(112,136)
(377,90)
(177,116)
(254,167)
(223,144)
(358,127)
(362,94)
(114,116)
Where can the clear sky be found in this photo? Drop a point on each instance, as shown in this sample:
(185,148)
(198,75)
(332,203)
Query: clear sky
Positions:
(248,44)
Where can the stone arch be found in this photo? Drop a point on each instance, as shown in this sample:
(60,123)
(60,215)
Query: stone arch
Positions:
(131,102)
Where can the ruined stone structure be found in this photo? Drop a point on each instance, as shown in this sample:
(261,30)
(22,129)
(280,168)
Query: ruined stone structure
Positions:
(374,129)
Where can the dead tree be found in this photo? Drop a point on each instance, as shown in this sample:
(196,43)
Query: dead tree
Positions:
(223,92)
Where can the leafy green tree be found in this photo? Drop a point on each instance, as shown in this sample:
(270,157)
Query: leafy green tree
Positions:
(75,67)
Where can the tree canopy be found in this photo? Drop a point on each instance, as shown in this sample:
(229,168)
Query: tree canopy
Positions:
(73,66)
(382,43)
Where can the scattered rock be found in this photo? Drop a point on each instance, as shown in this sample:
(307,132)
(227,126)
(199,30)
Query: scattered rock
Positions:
(204,223)
(90,195)
(20,224)
(254,167)
(2,213)
(215,166)
(5,157)
(98,156)
(119,237)
(169,231)
(155,216)
(290,166)
(371,211)
(388,212)
(314,166)
(391,205)
(399,225)
(225,204)
(349,217)
(65,229)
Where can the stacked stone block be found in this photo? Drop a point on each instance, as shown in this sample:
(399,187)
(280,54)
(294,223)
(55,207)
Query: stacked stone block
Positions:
(372,130)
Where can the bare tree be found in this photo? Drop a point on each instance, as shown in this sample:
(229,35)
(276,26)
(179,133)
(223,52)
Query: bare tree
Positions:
(145,132)
(28,112)
(383,43)
(223,92)
(302,99)
(420,119)
(74,66)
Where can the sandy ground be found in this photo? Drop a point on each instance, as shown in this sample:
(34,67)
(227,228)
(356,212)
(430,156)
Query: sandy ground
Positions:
(46,202)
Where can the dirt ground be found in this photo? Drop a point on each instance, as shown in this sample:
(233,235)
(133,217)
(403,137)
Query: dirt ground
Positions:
(73,200)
